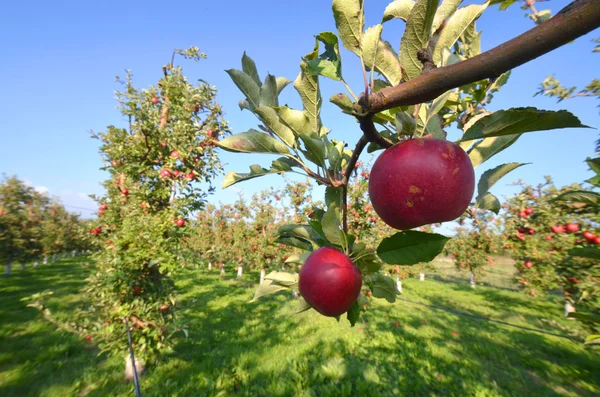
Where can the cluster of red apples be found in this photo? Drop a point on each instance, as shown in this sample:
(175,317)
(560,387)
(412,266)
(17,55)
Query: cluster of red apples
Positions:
(413,183)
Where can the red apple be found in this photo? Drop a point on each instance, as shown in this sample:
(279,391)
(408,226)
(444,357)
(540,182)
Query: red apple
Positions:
(528,264)
(596,241)
(103,207)
(522,214)
(589,235)
(196,109)
(180,222)
(572,227)
(165,173)
(154,100)
(530,231)
(421,181)
(329,281)
(163,144)
(528,211)
(164,308)
(190,176)
(88,337)
(174,154)
(573,280)
(532,293)
(211,133)
(124,192)
(176,173)
(137,289)
(558,229)
(549,237)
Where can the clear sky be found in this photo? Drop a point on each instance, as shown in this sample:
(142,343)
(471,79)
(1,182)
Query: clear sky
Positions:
(60,59)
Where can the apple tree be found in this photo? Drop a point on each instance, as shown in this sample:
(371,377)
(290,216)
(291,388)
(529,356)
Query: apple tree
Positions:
(160,167)
(438,78)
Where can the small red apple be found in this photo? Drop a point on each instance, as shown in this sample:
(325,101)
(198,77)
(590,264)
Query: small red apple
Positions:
(421,181)
(88,337)
(549,237)
(190,176)
(455,334)
(572,227)
(532,293)
(528,264)
(154,100)
(596,241)
(196,109)
(174,154)
(180,222)
(522,214)
(368,293)
(528,211)
(589,235)
(164,308)
(163,144)
(165,173)
(329,281)
(124,192)
(558,229)
(573,280)
(530,231)
(137,289)
(103,207)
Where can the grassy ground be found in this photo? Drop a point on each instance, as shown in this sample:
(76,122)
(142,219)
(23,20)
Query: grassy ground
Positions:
(501,275)
(260,349)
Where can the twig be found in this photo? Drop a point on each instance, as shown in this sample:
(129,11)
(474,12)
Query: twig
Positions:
(575,20)
(371,133)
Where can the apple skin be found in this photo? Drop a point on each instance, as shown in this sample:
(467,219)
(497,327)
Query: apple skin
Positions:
(528,264)
(572,227)
(558,229)
(154,100)
(329,281)
(528,211)
(589,235)
(180,222)
(421,181)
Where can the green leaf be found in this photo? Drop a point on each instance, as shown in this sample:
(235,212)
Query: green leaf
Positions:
(380,54)
(283,278)
(331,226)
(296,120)
(365,258)
(484,149)
(247,85)
(521,120)
(267,288)
(369,45)
(303,232)
(488,202)
(333,196)
(586,252)
(438,103)
(336,155)
(328,64)
(343,102)
(416,35)
(282,164)
(411,247)
(579,196)
(298,258)
(446,9)
(268,92)
(249,67)
(589,318)
(253,142)
(316,150)
(353,314)
(307,86)
(350,21)
(281,82)
(295,242)
(383,287)
(592,339)
(491,176)
(455,27)
(303,305)
(594,164)
(271,118)
(398,9)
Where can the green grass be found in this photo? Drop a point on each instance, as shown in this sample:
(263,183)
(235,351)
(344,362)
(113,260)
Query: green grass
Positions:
(260,349)
(501,275)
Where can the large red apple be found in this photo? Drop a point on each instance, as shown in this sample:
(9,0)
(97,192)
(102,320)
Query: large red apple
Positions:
(421,181)
(329,281)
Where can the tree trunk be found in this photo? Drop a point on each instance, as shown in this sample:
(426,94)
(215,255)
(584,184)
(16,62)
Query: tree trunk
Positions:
(8,268)
(472,280)
(53,257)
(222,270)
(22,266)
(45,259)
(36,262)
(398,284)
(262,275)
(239,273)
(422,276)
(569,308)
(294,294)
(209,266)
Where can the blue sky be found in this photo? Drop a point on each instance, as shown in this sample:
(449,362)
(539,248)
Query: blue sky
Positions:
(60,60)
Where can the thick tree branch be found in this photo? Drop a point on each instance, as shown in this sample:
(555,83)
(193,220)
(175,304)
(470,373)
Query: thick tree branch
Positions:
(575,20)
